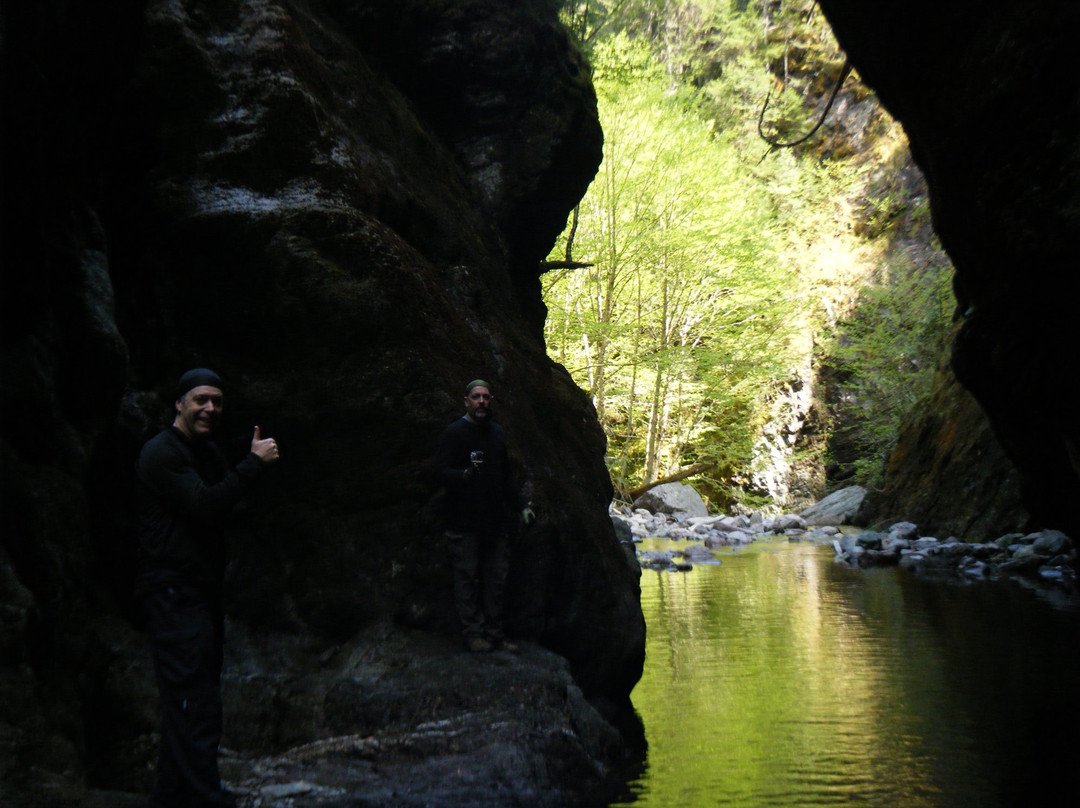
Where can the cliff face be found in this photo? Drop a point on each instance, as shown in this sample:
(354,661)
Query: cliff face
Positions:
(341,208)
(989,103)
(948,473)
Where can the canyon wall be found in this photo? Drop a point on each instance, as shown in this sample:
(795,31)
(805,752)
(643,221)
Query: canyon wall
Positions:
(988,98)
(340,207)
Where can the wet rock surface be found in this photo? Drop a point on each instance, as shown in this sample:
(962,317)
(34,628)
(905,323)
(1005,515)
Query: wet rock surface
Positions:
(672,498)
(838,508)
(947,471)
(400,718)
(1047,555)
(411,720)
(704,534)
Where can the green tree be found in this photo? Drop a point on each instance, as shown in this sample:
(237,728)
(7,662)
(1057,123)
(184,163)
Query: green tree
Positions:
(685,294)
(717,262)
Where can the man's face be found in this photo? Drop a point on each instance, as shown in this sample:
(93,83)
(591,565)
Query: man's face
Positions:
(199,411)
(478,404)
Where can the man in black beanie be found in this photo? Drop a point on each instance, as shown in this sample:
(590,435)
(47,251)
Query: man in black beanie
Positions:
(186,493)
(472,463)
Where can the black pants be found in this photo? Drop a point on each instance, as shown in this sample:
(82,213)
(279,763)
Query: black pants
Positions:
(480,567)
(186,628)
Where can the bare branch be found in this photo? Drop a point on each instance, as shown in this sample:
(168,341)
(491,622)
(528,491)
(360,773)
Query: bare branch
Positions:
(547,266)
(776,144)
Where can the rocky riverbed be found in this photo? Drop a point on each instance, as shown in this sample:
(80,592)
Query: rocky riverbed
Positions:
(1047,555)
(404,719)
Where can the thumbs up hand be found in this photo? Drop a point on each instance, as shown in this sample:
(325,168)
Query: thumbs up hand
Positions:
(265,449)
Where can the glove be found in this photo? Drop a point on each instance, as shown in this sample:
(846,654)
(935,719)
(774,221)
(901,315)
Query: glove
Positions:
(527,516)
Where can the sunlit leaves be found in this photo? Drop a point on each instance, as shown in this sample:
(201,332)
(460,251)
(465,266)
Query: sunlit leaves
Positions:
(717,261)
(681,320)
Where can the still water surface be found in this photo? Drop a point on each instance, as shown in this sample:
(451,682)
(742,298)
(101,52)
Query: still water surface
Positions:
(779,678)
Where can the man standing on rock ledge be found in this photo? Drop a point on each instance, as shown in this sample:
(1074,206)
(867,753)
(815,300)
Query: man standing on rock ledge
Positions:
(473,464)
(187,492)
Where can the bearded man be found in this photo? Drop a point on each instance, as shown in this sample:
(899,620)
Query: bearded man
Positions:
(473,465)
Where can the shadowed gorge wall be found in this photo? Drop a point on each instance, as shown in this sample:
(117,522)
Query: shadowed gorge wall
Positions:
(988,98)
(340,207)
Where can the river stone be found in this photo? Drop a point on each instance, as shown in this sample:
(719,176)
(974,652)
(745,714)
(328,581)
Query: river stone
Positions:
(846,543)
(1023,563)
(1008,540)
(286,790)
(1025,551)
(910,559)
(696,552)
(656,559)
(623,530)
(871,541)
(838,508)
(904,530)
(1050,542)
(673,498)
(892,544)
(726,523)
(787,521)
(655,555)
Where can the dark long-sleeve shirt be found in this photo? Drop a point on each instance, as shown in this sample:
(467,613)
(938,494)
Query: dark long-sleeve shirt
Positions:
(186,493)
(478,504)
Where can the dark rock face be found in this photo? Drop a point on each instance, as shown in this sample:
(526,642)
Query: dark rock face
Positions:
(948,473)
(405,718)
(990,107)
(340,207)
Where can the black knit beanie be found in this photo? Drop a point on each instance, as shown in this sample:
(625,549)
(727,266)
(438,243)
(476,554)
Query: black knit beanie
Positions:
(197,377)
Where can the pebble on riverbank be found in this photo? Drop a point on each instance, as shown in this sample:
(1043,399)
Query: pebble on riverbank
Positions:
(1047,555)
(708,533)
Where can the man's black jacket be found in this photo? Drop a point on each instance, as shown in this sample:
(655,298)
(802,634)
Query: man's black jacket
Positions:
(186,494)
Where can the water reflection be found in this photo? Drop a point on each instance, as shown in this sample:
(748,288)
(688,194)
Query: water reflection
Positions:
(781,678)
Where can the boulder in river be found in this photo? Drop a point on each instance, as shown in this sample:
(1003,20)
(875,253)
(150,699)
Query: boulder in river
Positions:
(786,521)
(838,508)
(675,498)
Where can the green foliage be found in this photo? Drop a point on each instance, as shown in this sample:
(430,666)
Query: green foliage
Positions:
(884,357)
(681,323)
(714,257)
